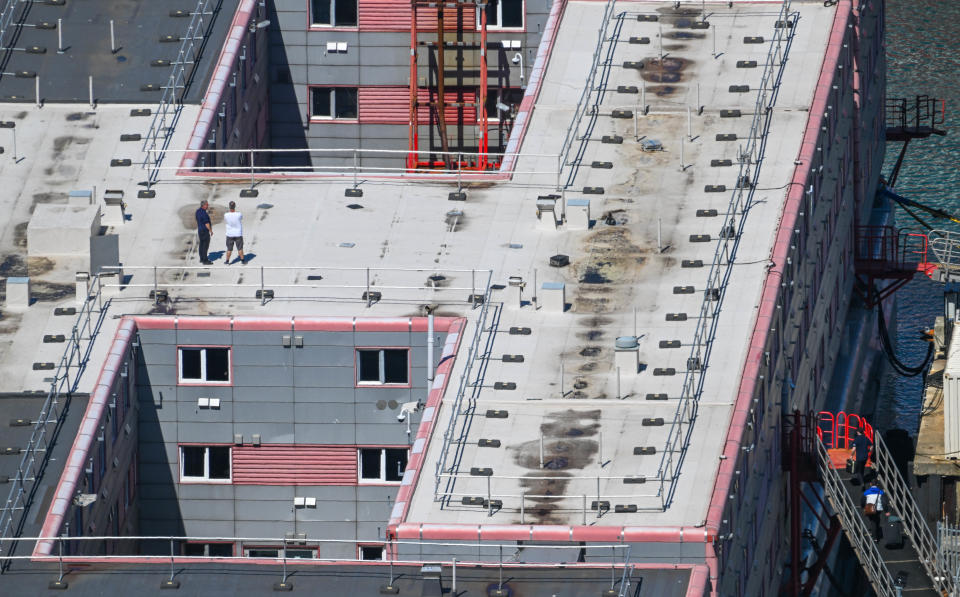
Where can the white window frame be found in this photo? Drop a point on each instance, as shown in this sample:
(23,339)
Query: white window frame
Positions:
(499,27)
(280,551)
(331,89)
(382,370)
(382,479)
(383,552)
(206,466)
(203,366)
(333,16)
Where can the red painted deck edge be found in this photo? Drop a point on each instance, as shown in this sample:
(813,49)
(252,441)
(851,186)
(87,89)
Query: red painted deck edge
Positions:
(73,468)
(218,82)
(771,286)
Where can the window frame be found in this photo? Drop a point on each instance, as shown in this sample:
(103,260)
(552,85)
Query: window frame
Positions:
(331,89)
(332,25)
(206,548)
(382,368)
(181,381)
(383,552)
(382,479)
(205,479)
(498,27)
(496,112)
(245,550)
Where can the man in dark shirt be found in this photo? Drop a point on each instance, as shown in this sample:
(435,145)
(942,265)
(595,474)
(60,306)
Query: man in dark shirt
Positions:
(861,452)
(204,231)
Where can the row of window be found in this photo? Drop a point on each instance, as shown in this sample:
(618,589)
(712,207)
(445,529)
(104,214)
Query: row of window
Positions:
(213,464)
(342,103)
(374,366)
(501,14)
(225,550)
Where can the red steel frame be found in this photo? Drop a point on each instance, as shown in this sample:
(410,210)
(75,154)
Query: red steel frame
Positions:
(413,144)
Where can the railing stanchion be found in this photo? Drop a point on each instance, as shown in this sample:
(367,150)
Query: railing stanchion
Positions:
(60,559)
(585,509)
(253,182)
(500,584)
(171,561)
(523,499)
(263,295)
(368,288)
(598,496)
(156,297)
(489,501)
(453,587)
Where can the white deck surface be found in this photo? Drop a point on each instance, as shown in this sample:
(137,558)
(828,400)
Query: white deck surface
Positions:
(403,225)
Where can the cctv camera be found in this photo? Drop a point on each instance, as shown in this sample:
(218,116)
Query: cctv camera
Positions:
(402,416)
(516,59)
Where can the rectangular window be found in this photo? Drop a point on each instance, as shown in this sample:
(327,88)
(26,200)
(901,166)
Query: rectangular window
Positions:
(383,366)
(382,465)
(371,552)
(205,464)
(333,13)
(209,550)
(278,552)
(504,14)
(333,103)
(204,365)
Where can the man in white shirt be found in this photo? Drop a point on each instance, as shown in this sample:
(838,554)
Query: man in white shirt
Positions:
(234,222)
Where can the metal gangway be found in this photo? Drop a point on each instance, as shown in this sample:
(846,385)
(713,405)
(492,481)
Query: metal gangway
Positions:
(916,568)
(945,245)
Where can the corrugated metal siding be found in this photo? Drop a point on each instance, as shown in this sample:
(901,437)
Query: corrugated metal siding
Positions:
(391,105)
(394,15)
(295,465)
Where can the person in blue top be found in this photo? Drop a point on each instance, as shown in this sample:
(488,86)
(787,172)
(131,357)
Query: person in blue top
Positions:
(873,504)
(204,231)
(861,453)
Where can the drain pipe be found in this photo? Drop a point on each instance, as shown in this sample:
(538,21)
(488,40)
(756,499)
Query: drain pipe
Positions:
(429,310)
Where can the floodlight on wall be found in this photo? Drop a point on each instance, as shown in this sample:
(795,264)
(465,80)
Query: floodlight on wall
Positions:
(261,25)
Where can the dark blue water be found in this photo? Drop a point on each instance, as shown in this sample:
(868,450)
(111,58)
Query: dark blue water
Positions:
(923,53)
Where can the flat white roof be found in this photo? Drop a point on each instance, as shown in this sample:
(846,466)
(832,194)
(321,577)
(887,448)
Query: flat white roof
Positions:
(617,281)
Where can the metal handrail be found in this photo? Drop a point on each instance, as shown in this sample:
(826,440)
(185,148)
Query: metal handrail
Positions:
(945,245)
(589,88)
(902,502)
(457,406)
(168,111)
(365,278)
(724,256)
(853,525)
(6,18)
(36,453)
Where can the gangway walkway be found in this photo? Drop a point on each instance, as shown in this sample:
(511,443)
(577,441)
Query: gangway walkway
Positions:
(909,570)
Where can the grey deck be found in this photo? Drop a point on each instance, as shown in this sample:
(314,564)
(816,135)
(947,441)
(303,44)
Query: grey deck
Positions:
(86,37)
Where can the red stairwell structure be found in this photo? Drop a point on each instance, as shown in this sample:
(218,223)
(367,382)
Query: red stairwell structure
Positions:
(887,254)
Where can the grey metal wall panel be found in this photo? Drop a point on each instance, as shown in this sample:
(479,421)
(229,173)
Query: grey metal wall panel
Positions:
(159,354)
(400,339)
(158,509)
(321,63)
(325,412)
(383,75)
(205,337)
(258,338)
(420,339)
(214,433)
(266,356)
(369,414)
(323,394)
(209,528)
(153,452)
(189,411)
(270,433)
(263,394)
(384,55)
(384,136)
(263,510)
(255,412)
(332,134)
(368,396)
(325,356)
(148,470)
(329,493)
(154,395)
(319,37)
(288,38)
(159,375)
(262,376)
(323,377)
(381,434)
(328,511)
(266,492)
(337,550)
(189,394)
(206,509)
(310,433)
(207,491)
(275,528)
(326,338)
(374,511)
(157,336)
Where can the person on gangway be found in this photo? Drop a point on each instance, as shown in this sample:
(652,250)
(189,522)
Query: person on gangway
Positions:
(874,508)
(862,448)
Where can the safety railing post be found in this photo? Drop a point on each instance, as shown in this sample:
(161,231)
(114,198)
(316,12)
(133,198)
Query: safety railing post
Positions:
(171,561)
(489,501)
(523,499)
(284,581)
(585,509)
(453,587)
(253,182)
(156,287)
(368,288)
(60,559)
(263,295)
(500,583)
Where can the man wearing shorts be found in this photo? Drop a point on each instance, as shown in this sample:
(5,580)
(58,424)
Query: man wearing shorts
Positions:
(234,222)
